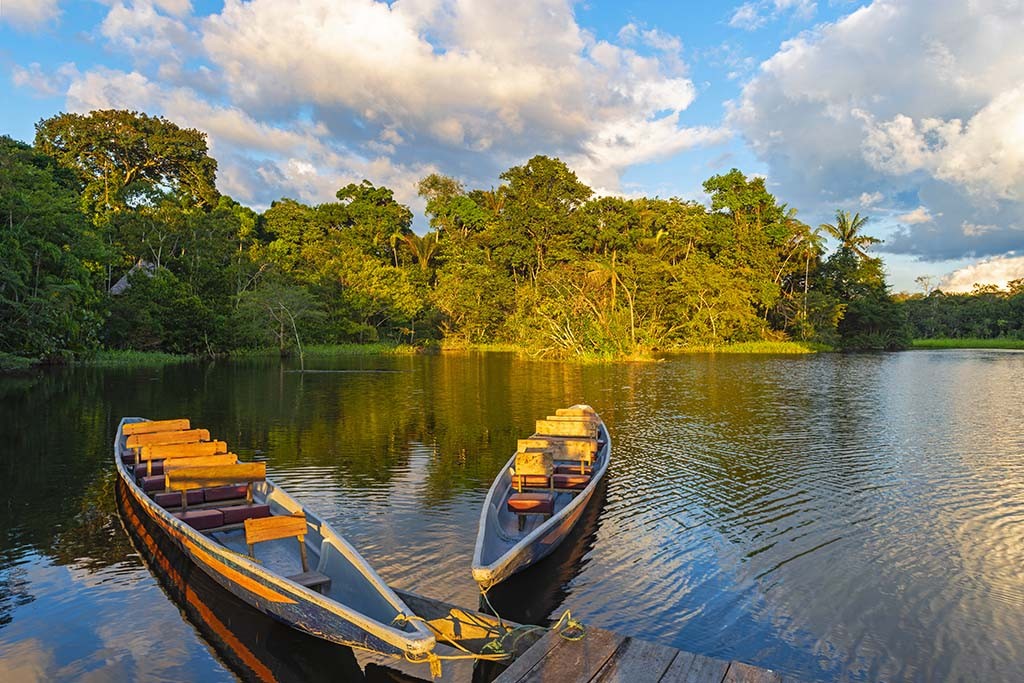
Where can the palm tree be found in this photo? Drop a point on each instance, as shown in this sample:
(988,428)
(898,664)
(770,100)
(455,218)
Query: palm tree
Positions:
(847,231)
(813,244)
(423,248)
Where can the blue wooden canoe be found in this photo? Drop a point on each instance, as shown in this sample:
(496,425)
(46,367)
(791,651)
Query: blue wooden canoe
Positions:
(508,540)
(350,604)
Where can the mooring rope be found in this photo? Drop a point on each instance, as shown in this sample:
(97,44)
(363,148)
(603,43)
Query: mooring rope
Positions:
(495,650)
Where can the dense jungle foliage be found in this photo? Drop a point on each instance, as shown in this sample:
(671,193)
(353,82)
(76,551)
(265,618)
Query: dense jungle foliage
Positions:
(114,235)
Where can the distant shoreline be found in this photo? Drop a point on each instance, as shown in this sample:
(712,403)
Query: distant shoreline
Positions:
(968,343)
(127,358)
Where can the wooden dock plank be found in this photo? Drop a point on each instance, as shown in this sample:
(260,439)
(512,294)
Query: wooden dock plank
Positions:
(745,673)
(522,665)
(637,661)
(576,661)
(692,668)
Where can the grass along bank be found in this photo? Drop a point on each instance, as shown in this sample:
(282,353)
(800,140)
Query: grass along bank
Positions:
(774,347)
(968,343)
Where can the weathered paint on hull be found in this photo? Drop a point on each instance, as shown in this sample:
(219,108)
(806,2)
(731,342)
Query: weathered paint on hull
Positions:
(519,558)
(271,599)
(543,546)
(272,595)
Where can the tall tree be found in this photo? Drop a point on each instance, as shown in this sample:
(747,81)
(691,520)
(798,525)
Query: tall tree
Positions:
(124,158)
(49,258)
(847,229)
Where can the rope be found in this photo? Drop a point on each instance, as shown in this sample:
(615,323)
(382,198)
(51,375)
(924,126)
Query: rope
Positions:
(494,651)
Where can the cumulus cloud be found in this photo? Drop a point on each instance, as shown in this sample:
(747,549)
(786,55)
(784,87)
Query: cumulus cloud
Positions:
(831,115)
(482,85)
(393,90)
(997,271)
(918,215)
(870,198)
(44,83)
(29,14)
(258,161)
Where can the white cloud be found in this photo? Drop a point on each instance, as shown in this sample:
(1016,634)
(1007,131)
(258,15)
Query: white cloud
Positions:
(747,17)
(751,16)
(152,31)
(918,215)
(257,161)
(483,84)
(29,14)
(976,229)
(391,92)
(831,114)
(44,83)
(996,271)
(870,198)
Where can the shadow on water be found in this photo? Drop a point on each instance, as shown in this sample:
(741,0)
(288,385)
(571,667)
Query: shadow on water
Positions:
(530,596)
(251,644)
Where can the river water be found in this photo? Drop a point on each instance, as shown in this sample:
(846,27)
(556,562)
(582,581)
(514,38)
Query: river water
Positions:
(833,517)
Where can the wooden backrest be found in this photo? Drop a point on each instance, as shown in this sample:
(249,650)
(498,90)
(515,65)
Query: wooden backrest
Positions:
(576,410)
(553,428)
(273,528)
(562,449)
(157,438)
(534,462)
(182,450)
(154,426)
(187,478)
(200,461)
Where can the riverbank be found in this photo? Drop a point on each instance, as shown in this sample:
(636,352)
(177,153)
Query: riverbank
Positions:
(128,358)
(968,343)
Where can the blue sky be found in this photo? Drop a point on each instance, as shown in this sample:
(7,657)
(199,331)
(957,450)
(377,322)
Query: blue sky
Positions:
(906,110)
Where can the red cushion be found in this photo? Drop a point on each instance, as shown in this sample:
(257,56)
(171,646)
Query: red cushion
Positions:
(569,468)
(571,481)
(225,493)
(537,503)
(530,481)
(201,519)
(237,514)
(172,499)
(153,483)
(158,468)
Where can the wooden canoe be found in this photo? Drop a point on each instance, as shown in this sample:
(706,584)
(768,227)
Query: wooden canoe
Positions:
(334,594)
(508,541)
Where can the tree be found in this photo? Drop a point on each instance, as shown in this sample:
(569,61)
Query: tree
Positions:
(125,159)
(541,200)
(277,308)
(847,230)
(375,216)
(49,258)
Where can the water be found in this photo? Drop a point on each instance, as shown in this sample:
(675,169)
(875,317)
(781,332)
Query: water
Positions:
(832,517)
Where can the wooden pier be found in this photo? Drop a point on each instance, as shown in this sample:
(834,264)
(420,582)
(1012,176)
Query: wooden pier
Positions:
(604,657)
(599,657)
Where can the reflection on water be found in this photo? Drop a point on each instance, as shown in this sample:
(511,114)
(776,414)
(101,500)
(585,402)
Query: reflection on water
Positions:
(834,517)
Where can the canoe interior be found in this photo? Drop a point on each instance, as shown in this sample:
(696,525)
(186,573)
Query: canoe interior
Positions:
(501,535)
(348,584)
(353,587)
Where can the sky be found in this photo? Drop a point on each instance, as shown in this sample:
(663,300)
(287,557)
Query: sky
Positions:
(908,111)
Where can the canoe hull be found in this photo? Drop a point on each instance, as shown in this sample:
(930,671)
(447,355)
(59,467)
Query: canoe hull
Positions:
(536,550)
(542,541)
(283,600)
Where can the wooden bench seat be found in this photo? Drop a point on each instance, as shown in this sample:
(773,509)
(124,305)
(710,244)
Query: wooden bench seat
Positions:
(163,438)
(152,426)
(215,479)
(285,526)
(311,579)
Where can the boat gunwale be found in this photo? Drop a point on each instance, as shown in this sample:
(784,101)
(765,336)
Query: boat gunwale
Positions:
(401,640)
(583,498)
